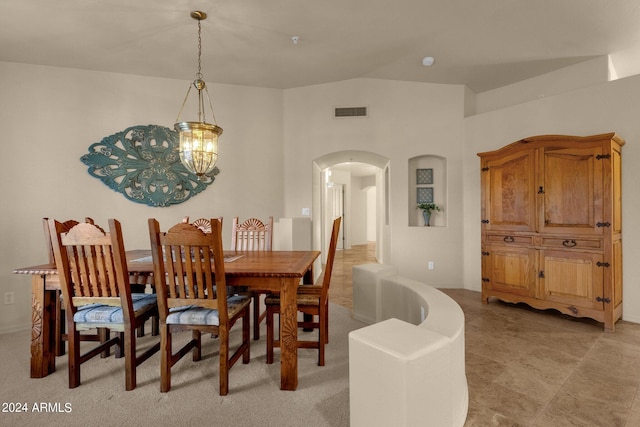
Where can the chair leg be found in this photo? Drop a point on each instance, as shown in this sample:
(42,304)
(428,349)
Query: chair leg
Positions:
(120,347)
(73,338)
(256,315)
(104,334)
(246,337)
(326,323)
(270,315)
(165,358)
(322,335)
(128,338)
(60,325)
(224,361)
(197,350)
(155,326)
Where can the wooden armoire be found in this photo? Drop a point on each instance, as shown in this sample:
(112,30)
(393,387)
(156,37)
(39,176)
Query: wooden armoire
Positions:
(552,225)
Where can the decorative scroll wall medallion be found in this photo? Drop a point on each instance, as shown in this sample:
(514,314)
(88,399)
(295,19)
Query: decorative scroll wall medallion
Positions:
(142,163)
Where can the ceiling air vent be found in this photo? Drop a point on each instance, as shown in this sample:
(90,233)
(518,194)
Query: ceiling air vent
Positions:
(350,112)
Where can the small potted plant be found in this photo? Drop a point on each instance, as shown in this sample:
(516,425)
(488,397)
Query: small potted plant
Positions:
(427,209)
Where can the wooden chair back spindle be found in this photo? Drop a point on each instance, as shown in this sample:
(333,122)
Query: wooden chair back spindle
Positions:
(187,253)
(252,235)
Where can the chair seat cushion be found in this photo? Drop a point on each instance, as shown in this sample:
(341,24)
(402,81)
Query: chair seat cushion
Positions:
(103,314)
(303,299)
(194,315)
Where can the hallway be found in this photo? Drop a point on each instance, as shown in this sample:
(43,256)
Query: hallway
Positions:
(341,290)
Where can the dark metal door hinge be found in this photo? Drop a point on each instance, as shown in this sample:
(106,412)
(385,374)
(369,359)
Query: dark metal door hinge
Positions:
(602,264)
(603,224)
(485,279)
(484,169)
(600,299)
(485,253)
(603,156)
(485,221)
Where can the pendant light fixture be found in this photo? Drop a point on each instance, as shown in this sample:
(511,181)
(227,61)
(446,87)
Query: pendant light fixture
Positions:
(198,140)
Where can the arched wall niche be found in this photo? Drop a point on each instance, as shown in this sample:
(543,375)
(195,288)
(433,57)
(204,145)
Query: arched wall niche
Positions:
(427,184)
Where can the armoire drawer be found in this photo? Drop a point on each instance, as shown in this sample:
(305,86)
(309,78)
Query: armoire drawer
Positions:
(510,238)
(570,243)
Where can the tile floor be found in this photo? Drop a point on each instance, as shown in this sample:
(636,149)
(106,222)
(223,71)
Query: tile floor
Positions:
(528,367)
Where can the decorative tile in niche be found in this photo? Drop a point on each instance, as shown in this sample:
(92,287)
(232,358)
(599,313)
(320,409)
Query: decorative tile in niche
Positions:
(424,176)
(424,195)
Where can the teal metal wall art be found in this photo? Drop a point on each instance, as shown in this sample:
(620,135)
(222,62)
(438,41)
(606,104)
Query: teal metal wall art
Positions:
(142,163)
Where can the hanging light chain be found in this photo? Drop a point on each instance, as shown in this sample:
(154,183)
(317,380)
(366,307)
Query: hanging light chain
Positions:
(199,75)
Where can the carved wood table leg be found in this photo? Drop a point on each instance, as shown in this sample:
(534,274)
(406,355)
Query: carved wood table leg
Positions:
(43,361)
(289,335)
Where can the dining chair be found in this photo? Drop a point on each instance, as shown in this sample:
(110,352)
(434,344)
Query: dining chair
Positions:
(253,235)
(93,273)
(193,296)
(203,224)
(312,300)
(59,328)
(137,281)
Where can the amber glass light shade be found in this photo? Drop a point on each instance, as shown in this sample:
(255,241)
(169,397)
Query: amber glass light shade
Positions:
(198,146)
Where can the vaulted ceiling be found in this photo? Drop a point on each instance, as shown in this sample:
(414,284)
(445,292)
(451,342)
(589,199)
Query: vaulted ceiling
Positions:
(482,44)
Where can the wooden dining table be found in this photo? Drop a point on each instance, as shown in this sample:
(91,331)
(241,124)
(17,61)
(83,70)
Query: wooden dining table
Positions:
(276,271)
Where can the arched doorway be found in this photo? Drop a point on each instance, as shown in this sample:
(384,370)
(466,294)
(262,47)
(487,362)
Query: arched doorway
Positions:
(324,195)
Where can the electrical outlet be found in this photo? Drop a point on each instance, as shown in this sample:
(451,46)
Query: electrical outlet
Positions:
(9,297)
(430,265)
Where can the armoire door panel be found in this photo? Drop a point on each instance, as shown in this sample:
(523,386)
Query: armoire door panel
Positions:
(512,269)
(571,190)
(572,277)
(508,183)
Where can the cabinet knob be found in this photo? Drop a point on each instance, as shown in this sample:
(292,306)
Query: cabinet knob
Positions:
(509,239)
(569,243)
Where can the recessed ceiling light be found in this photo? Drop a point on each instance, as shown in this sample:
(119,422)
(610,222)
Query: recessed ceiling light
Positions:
(428,61)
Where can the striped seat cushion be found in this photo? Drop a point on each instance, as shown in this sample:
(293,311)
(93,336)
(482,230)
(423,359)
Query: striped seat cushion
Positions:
(104,314)
(303,299)
(194,315)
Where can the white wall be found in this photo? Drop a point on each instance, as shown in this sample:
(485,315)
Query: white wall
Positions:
(371,214)
(583,74)
(359,212)
(405,120)
(50,116)
(608,107)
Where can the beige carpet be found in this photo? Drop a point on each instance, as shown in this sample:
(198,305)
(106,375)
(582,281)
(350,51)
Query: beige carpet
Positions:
(254,398)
